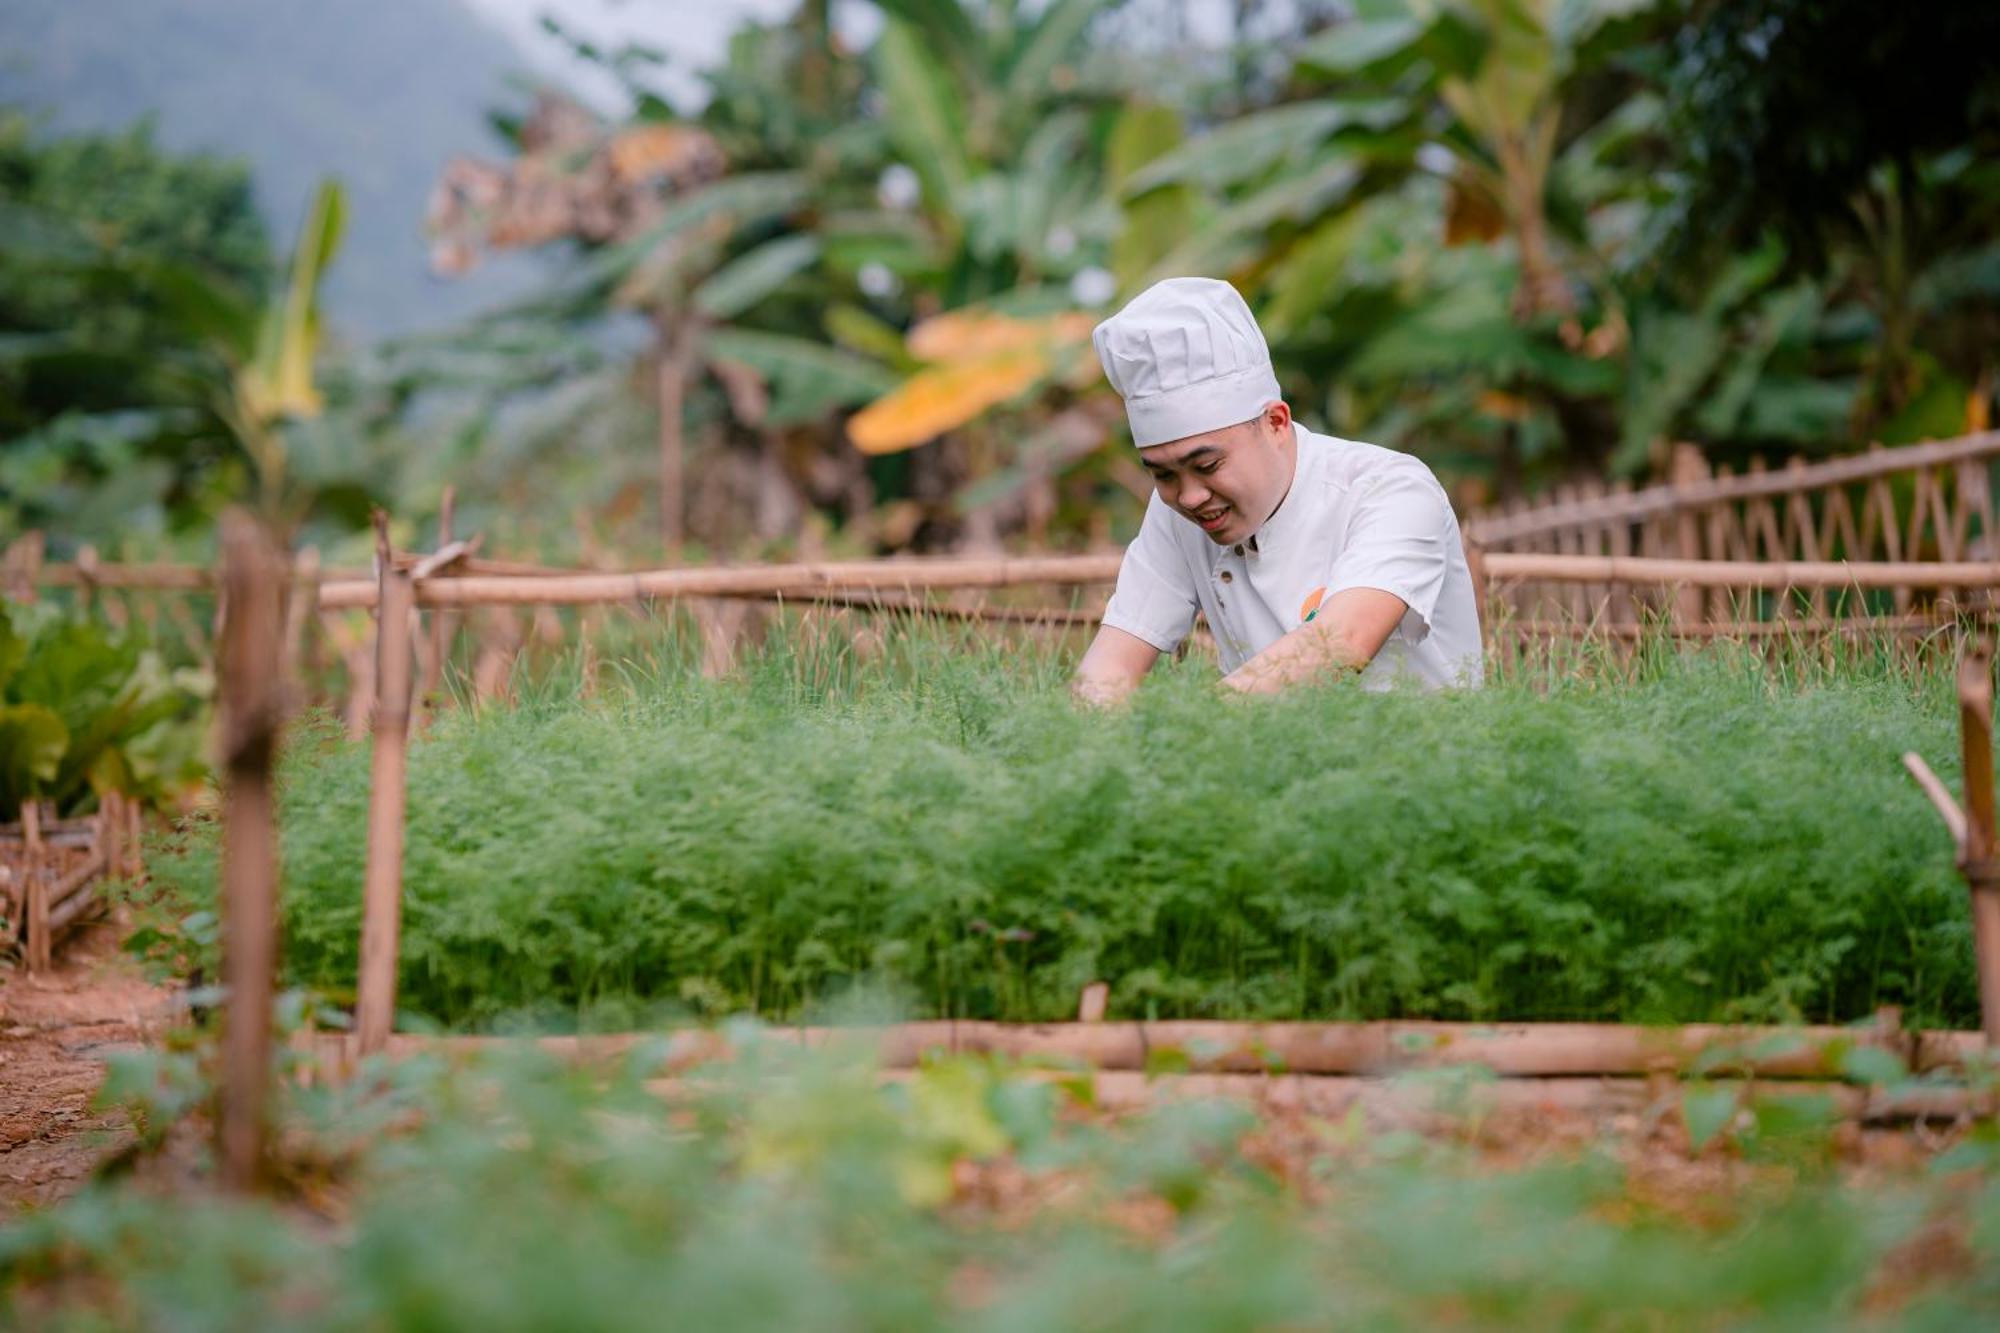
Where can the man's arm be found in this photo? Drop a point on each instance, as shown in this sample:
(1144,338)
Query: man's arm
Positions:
(1345,636)
(1112,667)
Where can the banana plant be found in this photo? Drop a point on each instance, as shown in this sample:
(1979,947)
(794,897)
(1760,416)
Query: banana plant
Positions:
(268,353)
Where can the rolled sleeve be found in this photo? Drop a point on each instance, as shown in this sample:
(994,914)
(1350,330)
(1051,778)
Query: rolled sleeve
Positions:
(1399,541)
(1155,597)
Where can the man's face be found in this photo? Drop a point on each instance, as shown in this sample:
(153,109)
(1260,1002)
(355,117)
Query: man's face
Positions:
(1227,481)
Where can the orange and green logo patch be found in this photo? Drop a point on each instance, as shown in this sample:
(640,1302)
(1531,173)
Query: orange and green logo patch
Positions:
(1310,607)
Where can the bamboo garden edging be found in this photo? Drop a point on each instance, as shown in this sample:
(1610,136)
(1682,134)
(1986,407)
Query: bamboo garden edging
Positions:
(1363,1049)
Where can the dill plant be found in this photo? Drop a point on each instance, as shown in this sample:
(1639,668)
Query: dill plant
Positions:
(1664,835)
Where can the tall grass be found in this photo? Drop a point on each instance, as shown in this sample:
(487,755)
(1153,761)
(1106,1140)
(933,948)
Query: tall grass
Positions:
(1653,835)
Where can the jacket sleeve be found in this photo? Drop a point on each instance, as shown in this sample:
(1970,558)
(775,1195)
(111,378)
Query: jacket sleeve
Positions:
(1400,540)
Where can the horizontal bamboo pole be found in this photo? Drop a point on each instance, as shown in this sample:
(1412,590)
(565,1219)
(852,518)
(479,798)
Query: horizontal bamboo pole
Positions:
(75,880)
(1501,565)
(1659,501)
(1802,627)
(1413,1103)
(880,604)
(1515,1050)
(71,910)
(803,581)
(808,581)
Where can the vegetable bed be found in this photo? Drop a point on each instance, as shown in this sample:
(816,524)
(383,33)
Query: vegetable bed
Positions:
(1696,840)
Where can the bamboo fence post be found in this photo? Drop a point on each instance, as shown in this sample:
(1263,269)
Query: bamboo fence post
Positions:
(382,890)
(34,888)
(110,819)
(1690,469)
(24,565)
(301,605)
(254,579)
(86,577)
(1982,873)
(135,833)
(439,639)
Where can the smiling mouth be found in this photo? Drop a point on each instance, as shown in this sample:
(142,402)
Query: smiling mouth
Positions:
(1211,519)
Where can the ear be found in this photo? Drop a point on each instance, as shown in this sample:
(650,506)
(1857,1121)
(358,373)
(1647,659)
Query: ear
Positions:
(1278,416)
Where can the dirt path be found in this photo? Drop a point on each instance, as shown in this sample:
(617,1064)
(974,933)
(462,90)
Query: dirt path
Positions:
(55,1034)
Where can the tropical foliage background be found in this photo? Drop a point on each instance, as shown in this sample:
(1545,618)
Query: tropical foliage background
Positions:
(844,304)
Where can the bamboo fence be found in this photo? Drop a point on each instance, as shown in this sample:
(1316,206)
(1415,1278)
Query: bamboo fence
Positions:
(51,871)
(1323,1066)
(1915,503)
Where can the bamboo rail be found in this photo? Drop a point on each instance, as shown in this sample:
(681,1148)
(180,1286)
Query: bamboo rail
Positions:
(1759,574)
(1372,1049)
(1677,498)
(802,581)
(806,581)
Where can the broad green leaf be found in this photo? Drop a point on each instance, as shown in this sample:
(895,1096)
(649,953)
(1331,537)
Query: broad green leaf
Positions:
(807,378)
(746,200)
(1249,146)
(1706,1110)
(1055,38)
(281,381)
(13,648)
(859,331)
(32,742)
(941,29)
(1309,271)
(1872,1064)
(926,119)
(749,278)
(1673,355)
(1224,240)
(1157,221)
(1779,318)
(1346,48)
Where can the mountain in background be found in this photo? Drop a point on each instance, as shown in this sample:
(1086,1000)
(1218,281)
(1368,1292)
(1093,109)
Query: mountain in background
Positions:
(378,93)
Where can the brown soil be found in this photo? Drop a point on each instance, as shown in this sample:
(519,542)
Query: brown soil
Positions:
(56,1032)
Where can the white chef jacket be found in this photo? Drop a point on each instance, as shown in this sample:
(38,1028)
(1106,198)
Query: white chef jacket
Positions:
(1356,516)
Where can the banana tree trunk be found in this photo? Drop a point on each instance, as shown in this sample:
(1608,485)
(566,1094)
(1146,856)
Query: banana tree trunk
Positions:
(676,364)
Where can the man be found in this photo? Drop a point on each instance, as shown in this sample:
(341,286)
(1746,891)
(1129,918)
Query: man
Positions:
(1308,555)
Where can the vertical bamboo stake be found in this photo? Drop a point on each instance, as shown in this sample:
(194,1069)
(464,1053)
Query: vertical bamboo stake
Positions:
(382,891)
(24,565)
(86,577)
(35,887)
(1689,467)
(440,617)
(110,824)
(301,605)
(254,578)
(1982,874)
(135,835)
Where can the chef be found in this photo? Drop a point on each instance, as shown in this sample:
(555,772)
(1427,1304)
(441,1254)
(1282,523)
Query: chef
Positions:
(1309,556)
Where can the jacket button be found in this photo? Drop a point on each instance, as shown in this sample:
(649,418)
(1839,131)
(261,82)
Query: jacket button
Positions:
(1227,577)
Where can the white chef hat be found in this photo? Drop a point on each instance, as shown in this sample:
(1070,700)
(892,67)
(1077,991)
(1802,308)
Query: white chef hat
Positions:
(1187,357)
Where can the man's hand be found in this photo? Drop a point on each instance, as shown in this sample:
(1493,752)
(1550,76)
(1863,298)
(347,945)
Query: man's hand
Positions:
(1112,667)
(1350,629)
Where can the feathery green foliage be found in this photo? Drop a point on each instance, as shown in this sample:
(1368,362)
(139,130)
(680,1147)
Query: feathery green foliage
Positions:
(1693,837)
(798,1193)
